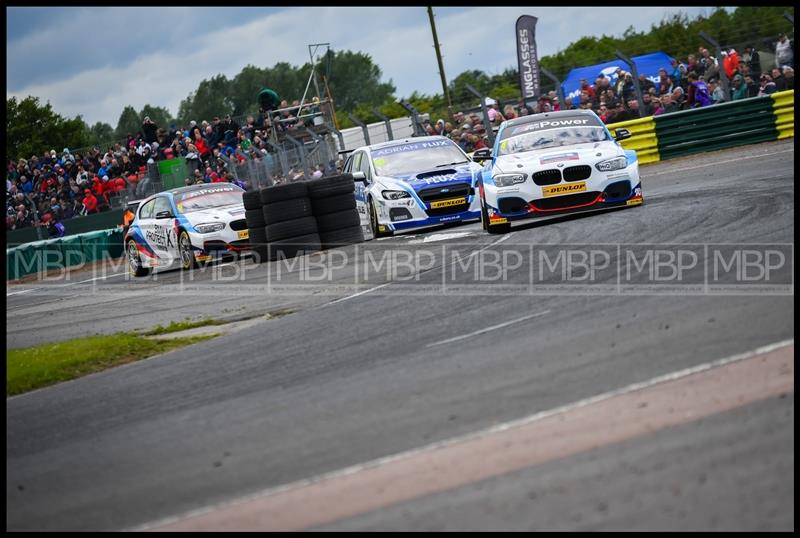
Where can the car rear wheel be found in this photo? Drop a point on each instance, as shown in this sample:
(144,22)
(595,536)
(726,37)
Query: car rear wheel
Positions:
(135,261)
(188,261)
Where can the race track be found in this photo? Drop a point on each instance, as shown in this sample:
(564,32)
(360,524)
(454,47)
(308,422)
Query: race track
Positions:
(357,373)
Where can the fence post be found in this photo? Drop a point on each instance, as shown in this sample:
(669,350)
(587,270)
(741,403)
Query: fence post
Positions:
(386,121)
(419,130)
(363,127)
(723,76)
(636,85)
(338,134)
(280,155)
(486,123)
(559,89)
(302,151)
(320,141)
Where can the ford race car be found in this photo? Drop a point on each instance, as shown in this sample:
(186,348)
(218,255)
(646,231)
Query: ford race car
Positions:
(415,183)
(553,163)
(187,225)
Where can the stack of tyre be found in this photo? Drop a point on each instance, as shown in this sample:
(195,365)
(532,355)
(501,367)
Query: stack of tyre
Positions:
(284,226)
(333,203)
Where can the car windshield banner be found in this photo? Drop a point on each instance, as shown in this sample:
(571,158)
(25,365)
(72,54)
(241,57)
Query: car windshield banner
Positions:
(526,56)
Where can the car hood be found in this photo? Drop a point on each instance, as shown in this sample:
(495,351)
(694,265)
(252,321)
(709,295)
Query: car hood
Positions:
(551,157)
(461,173)
(217,214)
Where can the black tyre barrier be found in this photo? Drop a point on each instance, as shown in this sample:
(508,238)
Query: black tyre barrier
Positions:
(288,191)
(287,210)
(258,243)
(333,204)
(331,186)
(254,218)
(291,228)
(294,246)
(343,236)
(252,200)
(338,220)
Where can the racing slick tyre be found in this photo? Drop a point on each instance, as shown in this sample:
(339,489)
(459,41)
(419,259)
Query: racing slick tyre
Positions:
(373,223)
(294,246)
(331,186)
(296,208)
(252,200)
(492,228)
(287,191)
(333,204)
(338,220)
(343,236)
(258,244)
(291,228)
(135,261)
(188,261)
(254,218)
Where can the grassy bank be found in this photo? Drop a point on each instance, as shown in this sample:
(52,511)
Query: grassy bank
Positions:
(39,366)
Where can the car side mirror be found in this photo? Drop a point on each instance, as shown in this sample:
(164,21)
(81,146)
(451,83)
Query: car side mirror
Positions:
(164,215)
(359,176)
(621,134)
(482,154)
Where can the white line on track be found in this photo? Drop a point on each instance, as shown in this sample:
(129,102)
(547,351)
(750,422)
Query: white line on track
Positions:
(488,329)
(65,285)
(468,437)
(715,163)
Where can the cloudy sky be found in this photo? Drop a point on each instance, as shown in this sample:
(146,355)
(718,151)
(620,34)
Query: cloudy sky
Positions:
(95,61)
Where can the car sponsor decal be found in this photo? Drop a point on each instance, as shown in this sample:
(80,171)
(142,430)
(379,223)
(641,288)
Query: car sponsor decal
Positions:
(244,234)
(634,201)
(494,219)
(447,203)
(575,121)
(401,148)
(555,190)
(559,157)
(160,237)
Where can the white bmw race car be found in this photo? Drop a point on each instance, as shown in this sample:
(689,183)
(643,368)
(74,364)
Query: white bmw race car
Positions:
(415,183)
(552,163)
(187,225)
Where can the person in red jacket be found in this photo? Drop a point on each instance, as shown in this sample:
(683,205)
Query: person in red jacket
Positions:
(201,145)
(730,63)
(89,201)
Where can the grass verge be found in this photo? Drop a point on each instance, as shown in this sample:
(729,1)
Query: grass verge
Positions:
(47,364)
(176,326)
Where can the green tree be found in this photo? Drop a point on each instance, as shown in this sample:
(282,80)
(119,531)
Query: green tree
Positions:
(129,123)
(101,133)
(356,80)
(32,128)
(159,115)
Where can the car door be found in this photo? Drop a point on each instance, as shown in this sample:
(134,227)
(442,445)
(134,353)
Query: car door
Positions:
(164,236)
(146,222)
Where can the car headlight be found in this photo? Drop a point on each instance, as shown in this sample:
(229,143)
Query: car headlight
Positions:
(395,195)
(612,164)
(209,227)
(506,180)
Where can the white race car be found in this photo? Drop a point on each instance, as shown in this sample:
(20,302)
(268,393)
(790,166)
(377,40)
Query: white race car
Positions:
(187,225)
(552,163)
(415,183)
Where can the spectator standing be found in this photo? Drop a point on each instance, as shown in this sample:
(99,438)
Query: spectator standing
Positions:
(788,75)
(717,93)
(784,51)
(752,59)
(767,86)
(149,130)
(739,90)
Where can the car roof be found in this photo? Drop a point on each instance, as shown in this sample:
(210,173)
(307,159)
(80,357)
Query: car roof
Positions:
(190,188)
(409,140)
(537,117)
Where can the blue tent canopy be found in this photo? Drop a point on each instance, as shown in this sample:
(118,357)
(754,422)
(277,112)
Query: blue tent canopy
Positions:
(646,64)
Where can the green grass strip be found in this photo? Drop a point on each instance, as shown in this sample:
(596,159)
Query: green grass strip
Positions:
(176,326)
(39,366)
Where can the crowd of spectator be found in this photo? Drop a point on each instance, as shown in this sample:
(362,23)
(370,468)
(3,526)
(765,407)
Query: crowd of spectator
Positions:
(48,189)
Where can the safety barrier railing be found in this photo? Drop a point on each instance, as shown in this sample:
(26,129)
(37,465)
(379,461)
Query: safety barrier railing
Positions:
(644,139)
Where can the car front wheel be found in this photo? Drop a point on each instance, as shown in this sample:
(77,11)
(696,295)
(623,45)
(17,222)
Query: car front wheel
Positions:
(188,260)
(135,261)
(492,228)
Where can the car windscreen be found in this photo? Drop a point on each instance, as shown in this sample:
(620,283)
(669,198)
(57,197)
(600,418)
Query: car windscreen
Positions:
(186,202)
(414,157)
(551,133)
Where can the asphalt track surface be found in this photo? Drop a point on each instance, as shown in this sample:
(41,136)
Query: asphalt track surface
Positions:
(356,373)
